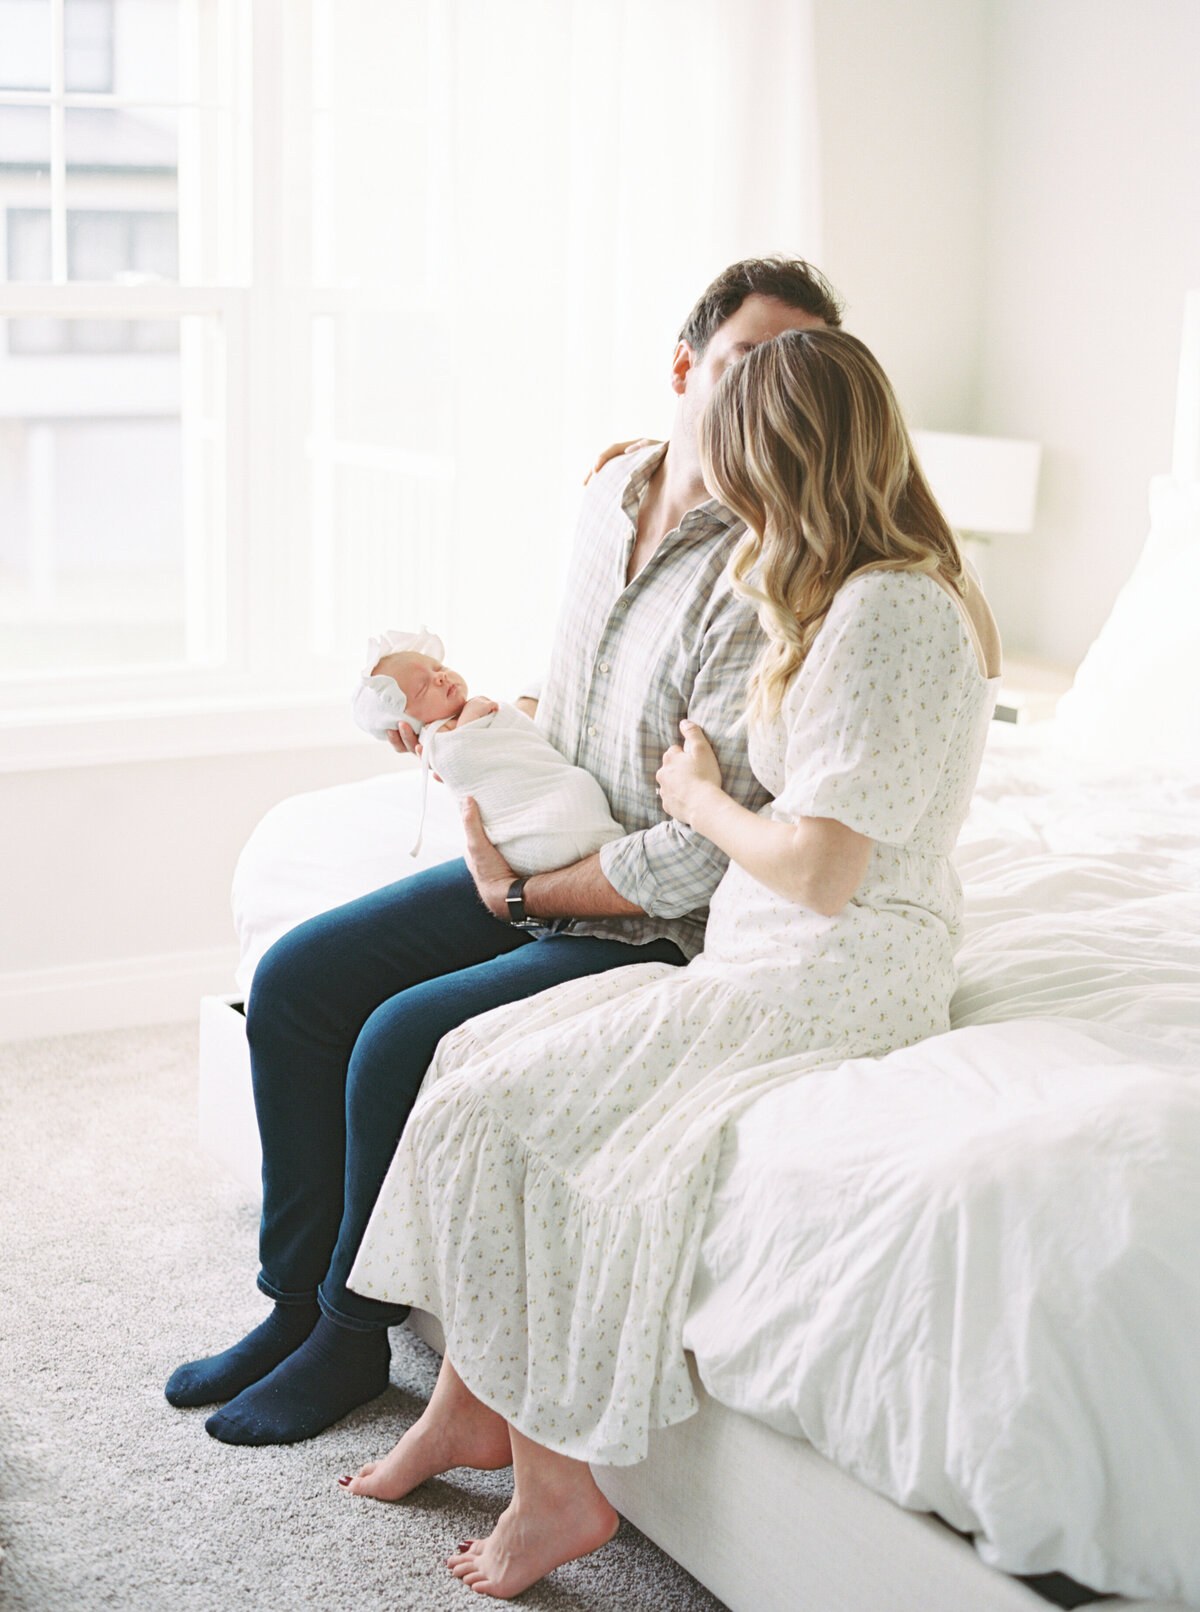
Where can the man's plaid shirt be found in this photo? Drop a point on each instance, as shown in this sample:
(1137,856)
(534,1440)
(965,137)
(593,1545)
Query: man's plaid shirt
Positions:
(628,663)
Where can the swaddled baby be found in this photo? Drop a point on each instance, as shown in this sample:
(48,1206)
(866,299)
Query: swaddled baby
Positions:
(539,810)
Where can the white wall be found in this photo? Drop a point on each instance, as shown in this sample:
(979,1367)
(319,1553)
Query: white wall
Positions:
(901,93)
(1012,209)
(116,880)
(1093,237)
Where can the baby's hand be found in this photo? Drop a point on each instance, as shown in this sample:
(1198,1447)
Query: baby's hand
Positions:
(476,707)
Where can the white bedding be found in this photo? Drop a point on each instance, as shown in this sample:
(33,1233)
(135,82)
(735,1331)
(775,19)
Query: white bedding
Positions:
(969,1272)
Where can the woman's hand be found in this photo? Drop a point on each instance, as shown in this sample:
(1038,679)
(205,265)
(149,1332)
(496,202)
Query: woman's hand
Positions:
(614,449)
(491,872)
(690,773)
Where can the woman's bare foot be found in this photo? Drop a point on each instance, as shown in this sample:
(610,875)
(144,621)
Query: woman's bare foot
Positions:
(525,1546)
(455,1429)
(557,1513)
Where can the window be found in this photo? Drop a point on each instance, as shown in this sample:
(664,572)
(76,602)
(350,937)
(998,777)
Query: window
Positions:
(217,484)
(122,321)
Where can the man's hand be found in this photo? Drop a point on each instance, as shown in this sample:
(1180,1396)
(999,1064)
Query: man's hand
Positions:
(405,743)
(688,773)
(491,872)
(527,704)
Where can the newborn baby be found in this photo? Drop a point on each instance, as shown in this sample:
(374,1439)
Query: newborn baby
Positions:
(539,810)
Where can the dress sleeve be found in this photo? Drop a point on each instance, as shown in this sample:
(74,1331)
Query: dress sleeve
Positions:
(873,711)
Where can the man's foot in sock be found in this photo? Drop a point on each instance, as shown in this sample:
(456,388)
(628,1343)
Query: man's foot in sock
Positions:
(334,1370)
(221,1377)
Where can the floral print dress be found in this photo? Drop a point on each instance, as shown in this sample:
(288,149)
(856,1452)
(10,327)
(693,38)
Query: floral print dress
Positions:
(549,1193)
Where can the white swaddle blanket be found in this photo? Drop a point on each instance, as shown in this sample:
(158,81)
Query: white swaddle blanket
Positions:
(539,810)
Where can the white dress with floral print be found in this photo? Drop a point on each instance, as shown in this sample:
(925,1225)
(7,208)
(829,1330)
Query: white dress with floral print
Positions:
(548,1195)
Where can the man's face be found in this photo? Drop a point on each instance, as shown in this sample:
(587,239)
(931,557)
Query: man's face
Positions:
(758,319)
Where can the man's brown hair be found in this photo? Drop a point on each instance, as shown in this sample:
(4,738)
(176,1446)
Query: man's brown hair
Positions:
(788,279)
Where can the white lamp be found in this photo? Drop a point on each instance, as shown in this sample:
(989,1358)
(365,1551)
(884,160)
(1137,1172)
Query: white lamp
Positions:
(985,485)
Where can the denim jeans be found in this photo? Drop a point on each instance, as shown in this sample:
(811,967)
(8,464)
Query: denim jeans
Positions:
(344,1014)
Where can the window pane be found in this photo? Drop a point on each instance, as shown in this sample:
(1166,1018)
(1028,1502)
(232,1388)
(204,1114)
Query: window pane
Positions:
(24,153)
(381,54)
(380,223)
(392,382)
(25,214)
(372,144)
(88,38)
(122,194)
(93,562)
(25,44)
(145,48)
(382,496)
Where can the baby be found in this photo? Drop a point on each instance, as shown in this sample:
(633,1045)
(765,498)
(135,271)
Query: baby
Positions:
(539,810)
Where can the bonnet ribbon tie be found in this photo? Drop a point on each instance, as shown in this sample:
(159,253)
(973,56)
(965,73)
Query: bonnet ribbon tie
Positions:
(427,733)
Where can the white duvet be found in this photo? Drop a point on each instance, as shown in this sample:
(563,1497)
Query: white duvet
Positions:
(968,1272)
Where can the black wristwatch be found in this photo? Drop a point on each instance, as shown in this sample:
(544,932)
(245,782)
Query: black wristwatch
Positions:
(518,918)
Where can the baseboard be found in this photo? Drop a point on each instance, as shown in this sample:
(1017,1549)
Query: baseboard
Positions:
(112,995)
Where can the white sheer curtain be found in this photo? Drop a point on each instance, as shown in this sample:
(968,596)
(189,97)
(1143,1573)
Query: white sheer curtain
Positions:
(591,165)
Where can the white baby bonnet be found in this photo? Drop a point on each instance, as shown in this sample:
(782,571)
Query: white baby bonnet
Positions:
(379,705)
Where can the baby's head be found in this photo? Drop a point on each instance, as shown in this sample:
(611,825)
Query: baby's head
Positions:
(431,691)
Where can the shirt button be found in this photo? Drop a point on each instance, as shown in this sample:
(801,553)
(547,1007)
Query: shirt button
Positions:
(592,732)
(603,665)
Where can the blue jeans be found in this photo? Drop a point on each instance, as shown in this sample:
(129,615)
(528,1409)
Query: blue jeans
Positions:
(344,1014)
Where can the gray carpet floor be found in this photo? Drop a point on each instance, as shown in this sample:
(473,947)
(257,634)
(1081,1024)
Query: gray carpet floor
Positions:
(124,1251)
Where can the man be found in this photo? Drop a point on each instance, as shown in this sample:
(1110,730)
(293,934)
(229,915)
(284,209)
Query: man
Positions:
(346,1010)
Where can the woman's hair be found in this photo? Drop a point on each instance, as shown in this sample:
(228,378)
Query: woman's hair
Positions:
(804,440)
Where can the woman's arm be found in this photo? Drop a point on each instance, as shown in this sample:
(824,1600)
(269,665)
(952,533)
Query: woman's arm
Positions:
(818,862)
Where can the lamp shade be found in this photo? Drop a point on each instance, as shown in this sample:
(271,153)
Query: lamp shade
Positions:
(983,484)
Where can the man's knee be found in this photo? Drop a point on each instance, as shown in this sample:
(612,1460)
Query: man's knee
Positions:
(291,979)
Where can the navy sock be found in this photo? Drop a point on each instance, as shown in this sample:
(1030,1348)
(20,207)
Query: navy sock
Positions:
(334,1370)
(220,1377)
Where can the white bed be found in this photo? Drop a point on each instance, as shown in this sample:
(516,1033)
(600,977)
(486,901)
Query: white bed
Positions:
(963,1279)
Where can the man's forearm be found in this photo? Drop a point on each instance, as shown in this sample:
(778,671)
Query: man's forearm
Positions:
(579,891)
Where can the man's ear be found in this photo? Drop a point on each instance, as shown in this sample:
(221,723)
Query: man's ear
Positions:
(683,361)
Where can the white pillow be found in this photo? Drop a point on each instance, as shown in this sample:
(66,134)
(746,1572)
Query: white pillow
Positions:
(1136,697)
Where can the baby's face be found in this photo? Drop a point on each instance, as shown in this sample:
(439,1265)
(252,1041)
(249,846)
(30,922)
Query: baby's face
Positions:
(431,691)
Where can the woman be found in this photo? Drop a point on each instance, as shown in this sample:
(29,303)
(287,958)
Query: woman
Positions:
(548,1196)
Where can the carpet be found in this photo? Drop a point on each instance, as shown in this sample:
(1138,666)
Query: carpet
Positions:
(123,1252)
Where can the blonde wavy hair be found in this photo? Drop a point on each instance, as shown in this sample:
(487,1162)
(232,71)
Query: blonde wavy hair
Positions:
(804,440)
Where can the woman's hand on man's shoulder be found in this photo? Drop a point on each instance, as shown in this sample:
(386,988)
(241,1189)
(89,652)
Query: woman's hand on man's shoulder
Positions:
(613,449)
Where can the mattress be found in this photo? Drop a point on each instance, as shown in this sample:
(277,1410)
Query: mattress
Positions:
(969,1272)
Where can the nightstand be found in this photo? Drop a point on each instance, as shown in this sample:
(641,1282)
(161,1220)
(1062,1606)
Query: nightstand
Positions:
(1031,687)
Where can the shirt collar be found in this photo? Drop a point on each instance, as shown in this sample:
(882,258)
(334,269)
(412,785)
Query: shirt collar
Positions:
(712,513)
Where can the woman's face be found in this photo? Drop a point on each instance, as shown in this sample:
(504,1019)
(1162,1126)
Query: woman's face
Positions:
(758,319)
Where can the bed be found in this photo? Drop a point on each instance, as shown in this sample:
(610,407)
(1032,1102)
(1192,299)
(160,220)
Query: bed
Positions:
(943,1329)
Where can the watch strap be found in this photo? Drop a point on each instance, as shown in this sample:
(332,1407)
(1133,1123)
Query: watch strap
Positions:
(518,918)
